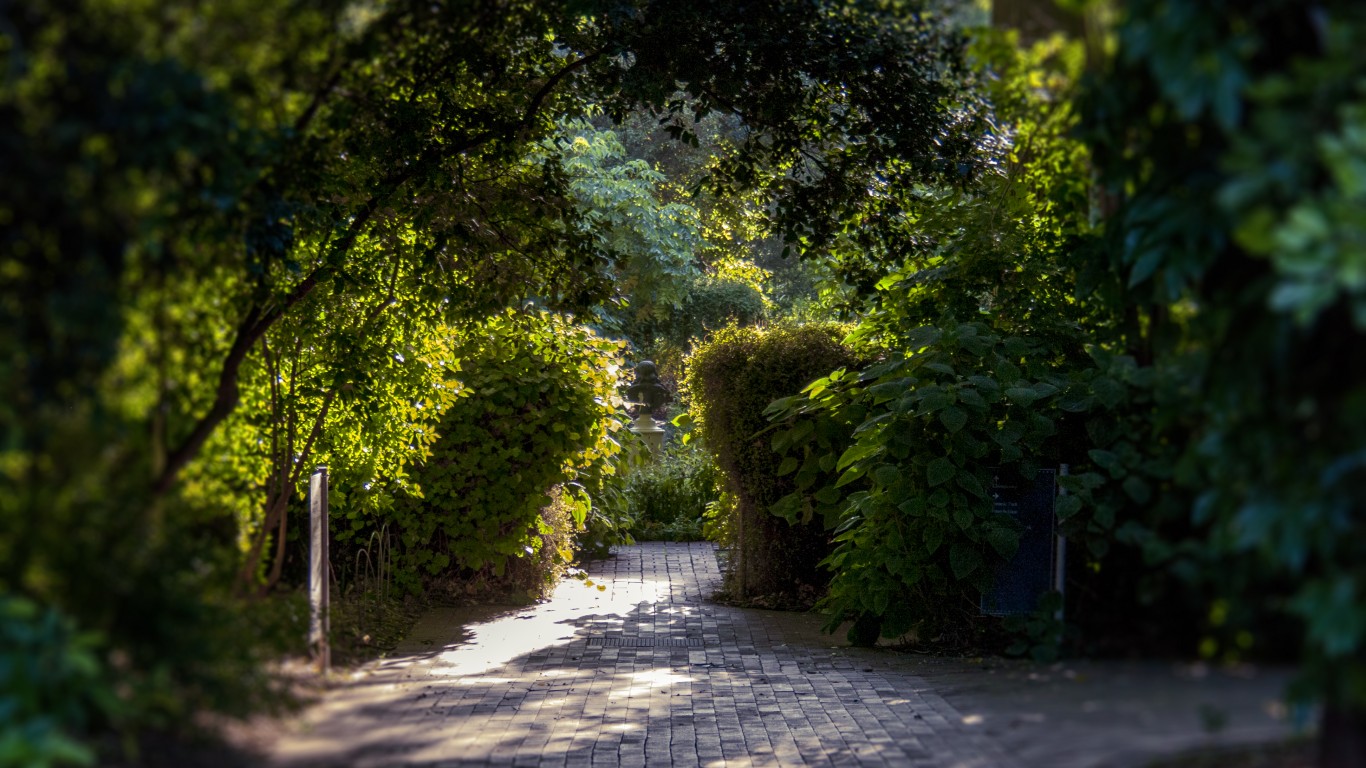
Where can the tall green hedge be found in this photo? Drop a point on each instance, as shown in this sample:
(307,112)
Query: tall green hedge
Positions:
(730,380)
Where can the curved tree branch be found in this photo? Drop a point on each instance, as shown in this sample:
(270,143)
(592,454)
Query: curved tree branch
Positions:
(259,319)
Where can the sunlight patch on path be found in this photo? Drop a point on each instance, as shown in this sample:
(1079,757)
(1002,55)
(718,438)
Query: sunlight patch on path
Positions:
(495,642)
(642,672)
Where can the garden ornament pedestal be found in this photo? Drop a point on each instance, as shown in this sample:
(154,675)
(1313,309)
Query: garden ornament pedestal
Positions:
(647,393)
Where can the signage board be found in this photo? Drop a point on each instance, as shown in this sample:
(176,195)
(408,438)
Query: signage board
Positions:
(1029,574)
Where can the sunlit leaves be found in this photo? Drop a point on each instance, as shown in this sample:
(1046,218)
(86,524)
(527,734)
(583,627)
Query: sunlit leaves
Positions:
(536,406)
(731,381)
(654,241)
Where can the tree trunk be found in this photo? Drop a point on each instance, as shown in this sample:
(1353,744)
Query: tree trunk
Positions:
(1342,738)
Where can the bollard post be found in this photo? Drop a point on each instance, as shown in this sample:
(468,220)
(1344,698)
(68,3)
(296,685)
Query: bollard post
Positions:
(318,571)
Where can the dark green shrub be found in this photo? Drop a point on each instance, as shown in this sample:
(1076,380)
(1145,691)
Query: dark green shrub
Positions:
(730,381)
(906,482)
(51,687)
(1242,249)
(534,408)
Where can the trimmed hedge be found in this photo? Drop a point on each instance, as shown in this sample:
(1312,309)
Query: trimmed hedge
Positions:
(730,380)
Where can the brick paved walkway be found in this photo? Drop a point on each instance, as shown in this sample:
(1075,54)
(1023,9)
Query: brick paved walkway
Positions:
(636,668)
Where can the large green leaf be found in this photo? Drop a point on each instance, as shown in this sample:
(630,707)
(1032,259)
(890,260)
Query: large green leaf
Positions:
(964,559)
(940,471)
(933,537)
(857,452)
(953,418)
(1004,540)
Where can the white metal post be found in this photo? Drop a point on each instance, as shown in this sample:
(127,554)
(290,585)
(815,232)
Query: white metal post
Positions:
(318,571)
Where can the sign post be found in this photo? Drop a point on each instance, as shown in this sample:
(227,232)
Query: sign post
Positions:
(318,567)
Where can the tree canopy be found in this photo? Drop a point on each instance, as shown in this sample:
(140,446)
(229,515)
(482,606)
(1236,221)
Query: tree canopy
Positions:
(236,239)
(241,238)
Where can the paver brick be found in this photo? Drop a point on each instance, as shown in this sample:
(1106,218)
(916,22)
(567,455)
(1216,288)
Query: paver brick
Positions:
(639,668)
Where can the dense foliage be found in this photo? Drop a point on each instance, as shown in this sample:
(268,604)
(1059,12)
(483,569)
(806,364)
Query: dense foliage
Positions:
(534,404)
(665,497)
(620,201)
(240,240)
(731,378)
(1186,356)
(1241,253)
(710,303)
(982,347)
(233,237)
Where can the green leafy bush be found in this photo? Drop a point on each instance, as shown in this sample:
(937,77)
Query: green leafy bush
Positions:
(666,497)
(730,380)
(607,522)
(1039,632)
(530,577)
(899,460)
(535,407)
(52,687)
(979,330)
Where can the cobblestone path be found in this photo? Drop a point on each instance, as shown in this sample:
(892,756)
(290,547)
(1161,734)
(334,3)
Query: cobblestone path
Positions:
(636,668)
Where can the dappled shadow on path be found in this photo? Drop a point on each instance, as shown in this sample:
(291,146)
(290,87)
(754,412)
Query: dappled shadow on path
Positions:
(640,672)
(637,668)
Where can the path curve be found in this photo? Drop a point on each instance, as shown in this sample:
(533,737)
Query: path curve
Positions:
(635,667)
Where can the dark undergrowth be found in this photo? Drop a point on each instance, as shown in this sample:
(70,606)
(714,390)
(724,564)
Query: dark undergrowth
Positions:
(366,627)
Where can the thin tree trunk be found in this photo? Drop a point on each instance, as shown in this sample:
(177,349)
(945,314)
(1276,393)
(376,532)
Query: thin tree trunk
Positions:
(1342,738)
(252,328)
(289,480)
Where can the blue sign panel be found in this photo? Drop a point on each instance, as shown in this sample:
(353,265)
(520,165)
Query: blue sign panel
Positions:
(1029,574)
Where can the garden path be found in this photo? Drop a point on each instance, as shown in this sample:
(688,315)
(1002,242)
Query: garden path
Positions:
(635,667)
